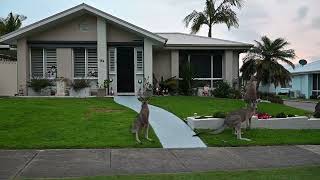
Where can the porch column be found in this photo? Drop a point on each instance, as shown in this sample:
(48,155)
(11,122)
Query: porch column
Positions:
(64,63)
(102,50)
(148,60)
(175,63)
(228,66)
(23,65)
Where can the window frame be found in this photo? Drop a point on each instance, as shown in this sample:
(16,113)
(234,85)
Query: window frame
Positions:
(85,65)
(44,64)
(212,79)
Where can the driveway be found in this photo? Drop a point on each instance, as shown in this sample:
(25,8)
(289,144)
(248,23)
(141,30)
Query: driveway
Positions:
(308,106)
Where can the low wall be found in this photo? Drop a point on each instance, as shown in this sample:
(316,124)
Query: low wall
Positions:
(301,122)
(8,78)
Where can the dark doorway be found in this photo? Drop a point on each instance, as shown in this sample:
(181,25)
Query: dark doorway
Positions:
(125,69)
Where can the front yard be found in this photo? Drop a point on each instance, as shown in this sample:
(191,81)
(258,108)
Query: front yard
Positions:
(187,106)
(66,123)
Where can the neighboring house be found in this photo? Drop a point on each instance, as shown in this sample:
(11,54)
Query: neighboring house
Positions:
(305,81)
(84,42)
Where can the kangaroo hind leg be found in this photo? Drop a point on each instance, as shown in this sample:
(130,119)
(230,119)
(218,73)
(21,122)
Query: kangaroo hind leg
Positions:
(238,131)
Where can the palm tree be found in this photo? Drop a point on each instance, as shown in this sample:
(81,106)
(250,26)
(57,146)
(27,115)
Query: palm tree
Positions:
(214,13)
(263,60)
(11,23)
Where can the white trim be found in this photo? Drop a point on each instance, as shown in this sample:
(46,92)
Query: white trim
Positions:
(17,33)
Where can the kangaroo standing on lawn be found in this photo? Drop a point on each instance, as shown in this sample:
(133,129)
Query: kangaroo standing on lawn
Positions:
(236,118)
(142,120)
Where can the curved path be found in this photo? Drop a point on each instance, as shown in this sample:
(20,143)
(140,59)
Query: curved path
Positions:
(171,130)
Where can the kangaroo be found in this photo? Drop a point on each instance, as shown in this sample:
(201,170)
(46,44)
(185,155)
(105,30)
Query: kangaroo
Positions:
(250,95)
(142,121)
(236,118)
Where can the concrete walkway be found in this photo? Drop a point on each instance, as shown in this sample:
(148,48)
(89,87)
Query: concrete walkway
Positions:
(171,131)
(17,164)
(308,106)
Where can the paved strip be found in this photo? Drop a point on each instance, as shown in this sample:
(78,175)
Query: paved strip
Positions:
(171,130)
(100,162)
(308,106)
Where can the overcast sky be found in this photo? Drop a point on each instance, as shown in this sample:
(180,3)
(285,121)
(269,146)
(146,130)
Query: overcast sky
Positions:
(298,21)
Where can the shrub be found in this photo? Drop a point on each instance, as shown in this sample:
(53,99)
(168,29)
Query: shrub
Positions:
(281,115)
(187,75)
(38,84)
(291,115)
(235,94)
(79,84)
(222,90)
(271,97)
(219,115)
(316,115)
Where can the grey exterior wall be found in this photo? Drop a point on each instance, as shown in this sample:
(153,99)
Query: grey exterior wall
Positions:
(64,63)
(8,78)
(162,64)
(70,31)
(23,65)
(117,34)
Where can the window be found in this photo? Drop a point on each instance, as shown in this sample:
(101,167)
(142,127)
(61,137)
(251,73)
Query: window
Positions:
(112,60)
(85,63)
(43,63)
(207,65)
(316,85)
(201,65)
(139,60)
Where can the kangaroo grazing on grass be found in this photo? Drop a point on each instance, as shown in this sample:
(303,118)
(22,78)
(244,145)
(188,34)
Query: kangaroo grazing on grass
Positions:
(236,118)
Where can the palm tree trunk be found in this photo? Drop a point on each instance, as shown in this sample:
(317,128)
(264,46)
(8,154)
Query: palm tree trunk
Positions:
(210,32)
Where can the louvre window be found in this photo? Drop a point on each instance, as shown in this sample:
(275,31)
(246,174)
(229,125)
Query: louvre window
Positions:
(85,63)
(112,60)
(43,63)
(139,61)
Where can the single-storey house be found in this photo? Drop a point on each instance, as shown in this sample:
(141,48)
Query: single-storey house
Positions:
(305,81)
(86,43)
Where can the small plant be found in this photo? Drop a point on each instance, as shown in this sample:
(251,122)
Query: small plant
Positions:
(281,115)
(222,90)
(316,115)
(291,115)
(263,116)
(219,115)
(187,75)
(79,84)
(38,84)
(271,97)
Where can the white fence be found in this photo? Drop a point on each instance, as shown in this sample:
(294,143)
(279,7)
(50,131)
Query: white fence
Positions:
(8,78)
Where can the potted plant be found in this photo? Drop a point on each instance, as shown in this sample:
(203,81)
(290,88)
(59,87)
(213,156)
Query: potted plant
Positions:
(102,89)
(40,87)
(80,88)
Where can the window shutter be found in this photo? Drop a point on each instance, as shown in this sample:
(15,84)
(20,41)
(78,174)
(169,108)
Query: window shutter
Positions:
(92,63)
(51,63)
(79,62)
(112,60)
(139,61)
(37,63)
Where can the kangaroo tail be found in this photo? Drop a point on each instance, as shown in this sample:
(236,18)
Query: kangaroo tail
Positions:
(218,131)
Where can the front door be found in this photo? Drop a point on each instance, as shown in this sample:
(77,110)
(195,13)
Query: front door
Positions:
(125,70)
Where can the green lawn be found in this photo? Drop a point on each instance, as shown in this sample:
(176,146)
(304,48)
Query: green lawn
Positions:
(66,123)
(187,106)
(263,137)
(184,106)
(310,173)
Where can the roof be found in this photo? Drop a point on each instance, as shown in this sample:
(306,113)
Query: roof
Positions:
(72,11)
(306,69)
(185,40)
